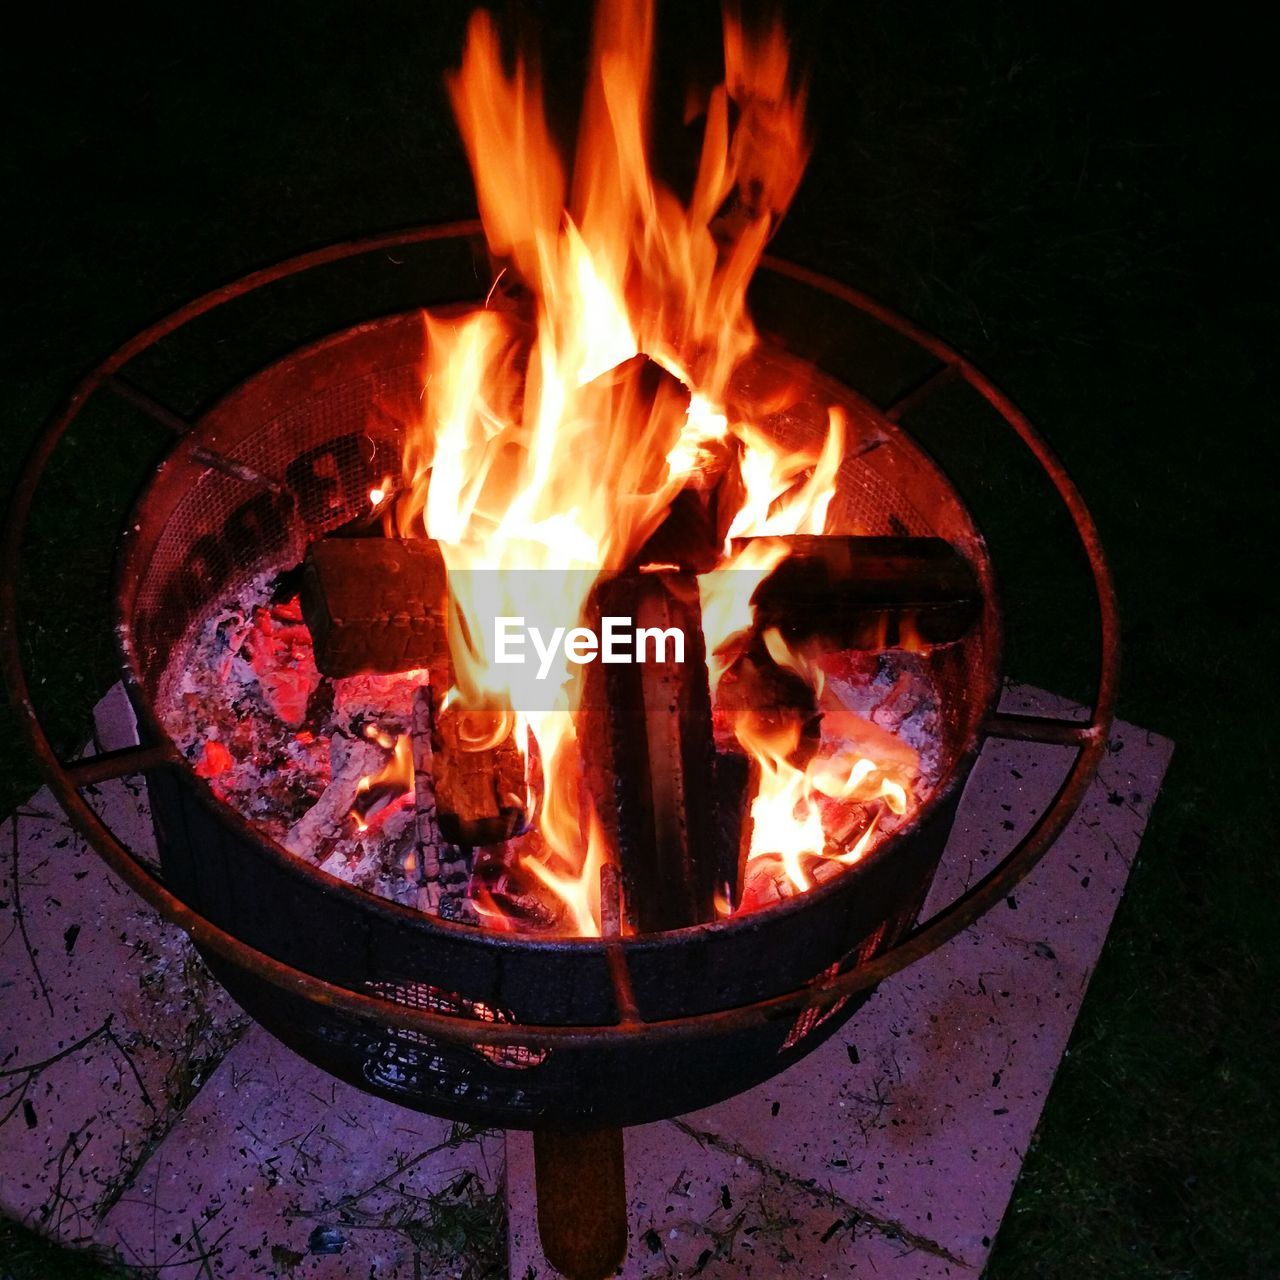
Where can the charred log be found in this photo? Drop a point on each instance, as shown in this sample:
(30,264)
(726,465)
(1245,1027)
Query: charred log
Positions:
(651,406)
(778,703)
(479,776)
(692,534)
(734,782)
(870,593)
(444,869)
(501,878)
(648,738)
(375,604)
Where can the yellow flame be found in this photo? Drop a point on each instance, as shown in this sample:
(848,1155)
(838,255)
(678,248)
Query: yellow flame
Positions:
(787,809)
(396,776)
(533,453)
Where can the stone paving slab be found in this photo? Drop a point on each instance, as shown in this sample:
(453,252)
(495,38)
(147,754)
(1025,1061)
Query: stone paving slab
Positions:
(700,1207)
(109,1022)
(111,1026)
(890,1151)
(278,1169)
(893,1149)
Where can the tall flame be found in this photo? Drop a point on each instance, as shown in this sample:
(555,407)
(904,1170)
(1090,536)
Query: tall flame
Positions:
(531,453)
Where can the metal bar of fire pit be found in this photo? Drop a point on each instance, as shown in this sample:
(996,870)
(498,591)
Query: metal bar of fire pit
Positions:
(121,763)
(1066,733)
(146,404)
(922,391)
(1088,738)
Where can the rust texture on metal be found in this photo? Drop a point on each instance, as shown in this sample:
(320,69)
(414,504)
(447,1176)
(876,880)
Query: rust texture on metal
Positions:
(582,1200)
(1087,737)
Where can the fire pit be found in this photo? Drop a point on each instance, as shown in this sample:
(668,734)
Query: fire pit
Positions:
(201,529)
(467,958)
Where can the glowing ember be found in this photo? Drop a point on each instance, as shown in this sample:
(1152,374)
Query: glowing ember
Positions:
(560,473)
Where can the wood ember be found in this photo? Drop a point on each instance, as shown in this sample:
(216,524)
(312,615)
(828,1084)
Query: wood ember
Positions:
(870,593)
(290,764)
(859,690)
(648,732)
(503,881)
(444,869)
(886,704)
(778,700)
(295,782)
(278,646)
(765,883)
(375,604)
(326,821)
(479,776)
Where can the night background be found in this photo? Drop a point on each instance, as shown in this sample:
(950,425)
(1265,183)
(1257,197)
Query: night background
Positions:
(1077,198)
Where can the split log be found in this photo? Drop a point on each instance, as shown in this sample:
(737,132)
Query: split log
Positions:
(645,404)
(375,604)
(639,399)
(692,534)
(479,776)
(870,593)
(735,782)
(648,754)
(779,704)
(444,869)
(778,701)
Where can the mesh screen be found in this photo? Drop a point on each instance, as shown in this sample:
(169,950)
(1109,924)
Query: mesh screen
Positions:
(293,453)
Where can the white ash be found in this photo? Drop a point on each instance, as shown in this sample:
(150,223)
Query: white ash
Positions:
(894,691)
(286,747)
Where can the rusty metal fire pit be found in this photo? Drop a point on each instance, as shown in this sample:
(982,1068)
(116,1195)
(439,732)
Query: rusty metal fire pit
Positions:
(554,1034)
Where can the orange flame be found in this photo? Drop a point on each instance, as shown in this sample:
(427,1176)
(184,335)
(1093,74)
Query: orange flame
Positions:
(533,450)
(787,812)
(377,792)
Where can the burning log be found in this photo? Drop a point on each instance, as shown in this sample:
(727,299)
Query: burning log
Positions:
(641,392)
(692,533)
(778,706)
(734,781)
(778,701)
(501,879)
(375,604)
(352,759)
(647,730)
(479,776)
(444,870)
(870,593)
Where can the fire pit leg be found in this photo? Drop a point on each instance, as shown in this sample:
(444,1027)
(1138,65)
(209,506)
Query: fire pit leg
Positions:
(582,1200)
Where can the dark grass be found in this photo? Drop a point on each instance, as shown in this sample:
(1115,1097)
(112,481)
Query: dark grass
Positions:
(1080,200)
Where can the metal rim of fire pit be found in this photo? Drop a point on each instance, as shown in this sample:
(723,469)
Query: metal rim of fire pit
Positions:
(67,778)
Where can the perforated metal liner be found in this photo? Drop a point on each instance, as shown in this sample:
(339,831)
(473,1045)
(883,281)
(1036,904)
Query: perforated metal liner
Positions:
(323,451)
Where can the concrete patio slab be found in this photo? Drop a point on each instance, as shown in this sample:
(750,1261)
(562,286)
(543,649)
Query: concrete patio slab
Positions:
(109,1022)
(893,1149)
(277,1169)
(137,1114)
